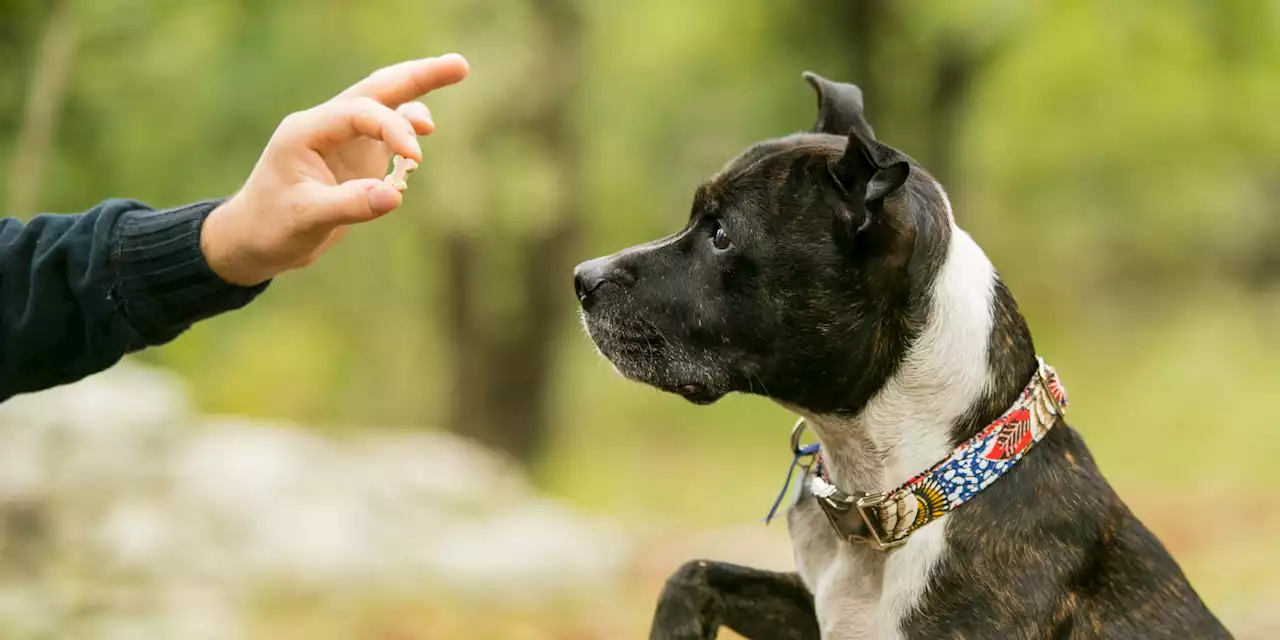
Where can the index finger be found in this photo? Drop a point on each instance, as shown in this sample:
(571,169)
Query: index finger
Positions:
(406,81)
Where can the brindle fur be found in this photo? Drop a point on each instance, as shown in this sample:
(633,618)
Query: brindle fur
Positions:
(837,241)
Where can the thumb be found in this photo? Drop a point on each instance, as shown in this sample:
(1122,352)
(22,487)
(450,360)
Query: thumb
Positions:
(355,201)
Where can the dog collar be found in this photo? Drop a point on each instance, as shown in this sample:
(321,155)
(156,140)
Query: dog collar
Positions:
(884,520)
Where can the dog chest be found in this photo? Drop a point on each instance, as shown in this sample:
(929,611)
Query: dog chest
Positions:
(861,593)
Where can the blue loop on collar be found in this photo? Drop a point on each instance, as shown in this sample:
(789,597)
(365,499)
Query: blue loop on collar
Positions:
(807,450)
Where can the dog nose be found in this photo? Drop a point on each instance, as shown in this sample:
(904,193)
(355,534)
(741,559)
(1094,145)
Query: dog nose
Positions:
(588,276)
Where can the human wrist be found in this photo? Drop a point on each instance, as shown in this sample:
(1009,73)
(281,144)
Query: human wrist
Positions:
(227,255)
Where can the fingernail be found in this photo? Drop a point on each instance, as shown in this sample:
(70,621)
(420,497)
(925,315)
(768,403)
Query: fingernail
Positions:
(413,142)
(459,57)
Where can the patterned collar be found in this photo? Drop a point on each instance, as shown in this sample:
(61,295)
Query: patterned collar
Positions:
(884,520)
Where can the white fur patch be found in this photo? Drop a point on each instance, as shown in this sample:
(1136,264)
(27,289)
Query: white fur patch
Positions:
(904,429)
(945,370)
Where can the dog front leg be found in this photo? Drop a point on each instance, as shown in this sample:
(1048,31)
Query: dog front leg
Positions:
(702,595)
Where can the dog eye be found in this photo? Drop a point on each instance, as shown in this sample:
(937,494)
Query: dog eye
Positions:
(721,239)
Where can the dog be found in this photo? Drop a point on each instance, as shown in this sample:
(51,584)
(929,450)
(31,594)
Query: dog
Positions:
(825,270)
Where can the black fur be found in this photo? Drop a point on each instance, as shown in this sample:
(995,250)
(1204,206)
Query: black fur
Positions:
(702,595)
(834,242)
(791,309)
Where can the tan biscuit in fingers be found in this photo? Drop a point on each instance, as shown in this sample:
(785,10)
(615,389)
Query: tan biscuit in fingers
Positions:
(400,169)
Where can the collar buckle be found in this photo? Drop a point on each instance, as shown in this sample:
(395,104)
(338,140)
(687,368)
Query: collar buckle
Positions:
(867,528)
(868,507)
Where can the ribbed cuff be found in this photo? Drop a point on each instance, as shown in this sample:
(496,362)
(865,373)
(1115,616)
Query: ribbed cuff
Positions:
(162,282)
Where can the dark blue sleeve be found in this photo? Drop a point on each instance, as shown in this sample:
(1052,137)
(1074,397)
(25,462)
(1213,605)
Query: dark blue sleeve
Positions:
(78,292)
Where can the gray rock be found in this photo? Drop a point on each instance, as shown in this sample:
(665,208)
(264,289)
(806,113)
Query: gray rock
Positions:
(123,515)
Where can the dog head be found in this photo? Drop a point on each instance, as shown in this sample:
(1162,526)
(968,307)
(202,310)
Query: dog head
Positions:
(802,273)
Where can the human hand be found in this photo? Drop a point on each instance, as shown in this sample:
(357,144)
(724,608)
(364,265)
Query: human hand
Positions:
(322,171)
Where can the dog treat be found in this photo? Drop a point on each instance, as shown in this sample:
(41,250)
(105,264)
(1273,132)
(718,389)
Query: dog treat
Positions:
(401,167)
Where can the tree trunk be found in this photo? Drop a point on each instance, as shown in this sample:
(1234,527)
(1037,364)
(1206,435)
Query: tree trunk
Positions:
(956,66)
(868,25)
(48,86)
(504,368)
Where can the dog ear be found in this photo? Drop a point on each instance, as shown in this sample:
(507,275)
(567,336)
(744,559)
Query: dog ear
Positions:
(866,174)
(839,107)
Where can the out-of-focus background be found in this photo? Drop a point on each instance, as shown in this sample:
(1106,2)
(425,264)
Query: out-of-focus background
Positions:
(413,439)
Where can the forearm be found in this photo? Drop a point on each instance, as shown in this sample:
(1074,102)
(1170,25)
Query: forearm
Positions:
(79,292)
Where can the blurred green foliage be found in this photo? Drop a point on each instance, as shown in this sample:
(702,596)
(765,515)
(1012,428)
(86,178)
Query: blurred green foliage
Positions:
(1119,161)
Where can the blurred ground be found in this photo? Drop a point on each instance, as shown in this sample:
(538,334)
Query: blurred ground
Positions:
(123,515)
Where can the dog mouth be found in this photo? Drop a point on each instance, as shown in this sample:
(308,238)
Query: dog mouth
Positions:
(697,393)
(641,353)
